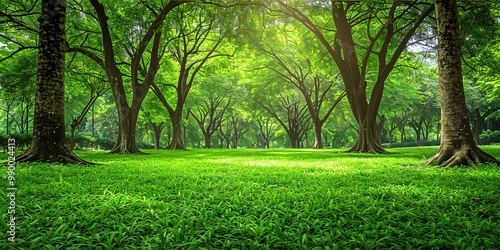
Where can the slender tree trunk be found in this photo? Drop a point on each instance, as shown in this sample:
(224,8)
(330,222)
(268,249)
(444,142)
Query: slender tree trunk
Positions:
(457,144)
(72,136)
(380,126)
(157,133)
(478,130)
(49,140)
(8,122)
(403,131)
(93,119)
(477,125)
(390,139)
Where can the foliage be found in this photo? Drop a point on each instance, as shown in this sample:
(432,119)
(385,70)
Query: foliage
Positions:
(489,137)
(256,199)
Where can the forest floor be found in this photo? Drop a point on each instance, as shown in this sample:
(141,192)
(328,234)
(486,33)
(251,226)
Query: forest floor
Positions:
(254,199)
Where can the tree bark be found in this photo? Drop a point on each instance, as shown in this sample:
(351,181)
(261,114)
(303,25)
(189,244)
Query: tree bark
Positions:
(49,140)
(457,143)
(368,140)
(318,140)
(177,141)
(157,128)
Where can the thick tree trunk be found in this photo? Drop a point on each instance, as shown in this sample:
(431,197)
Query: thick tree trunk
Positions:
(318,142)
(457,144)
(368,140)
(208,140)
(177,133)
(294,140)
(127,122)
(235,142)
(49,140)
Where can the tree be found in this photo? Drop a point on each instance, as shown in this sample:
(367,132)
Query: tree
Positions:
(480,31)
(17,91)
(95,84)
(209,110)
(267,129)
(49,140)
(457,143)
(292,114)
(480,108)
(388,32)
(315,89)
(196,43)
(143,45)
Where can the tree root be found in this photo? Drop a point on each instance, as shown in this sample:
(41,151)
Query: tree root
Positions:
(176,146)
(466,155)
(124,150)
(65,156)
(369,147)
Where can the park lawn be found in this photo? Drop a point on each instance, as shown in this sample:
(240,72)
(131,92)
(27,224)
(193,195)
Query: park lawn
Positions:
(255,199)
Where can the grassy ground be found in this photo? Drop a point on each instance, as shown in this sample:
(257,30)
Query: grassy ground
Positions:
(255,199)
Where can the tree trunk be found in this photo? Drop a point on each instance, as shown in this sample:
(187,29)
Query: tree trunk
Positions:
(49,140)
(418,138)
(126,142)
(477,125)
(208,140)
(318,143)
(177,133)
(72,136)
(157,133)
(93,119)
(368,141)
(457,144)
(294,140)
(418,128)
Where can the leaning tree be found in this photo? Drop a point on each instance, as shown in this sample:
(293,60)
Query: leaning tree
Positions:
(49,140)
(457,143)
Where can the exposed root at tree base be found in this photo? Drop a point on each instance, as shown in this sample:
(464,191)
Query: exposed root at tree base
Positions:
(123,150)
(176,146)
(370,149)
(469,156)
(64,157)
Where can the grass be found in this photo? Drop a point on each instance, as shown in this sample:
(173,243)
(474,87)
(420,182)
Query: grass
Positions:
(255,199)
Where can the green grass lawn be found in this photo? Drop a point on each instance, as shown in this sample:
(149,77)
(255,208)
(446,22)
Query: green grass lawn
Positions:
(255,199)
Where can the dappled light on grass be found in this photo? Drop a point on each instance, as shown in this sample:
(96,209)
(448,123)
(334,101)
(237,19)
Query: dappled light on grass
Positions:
(258,199)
